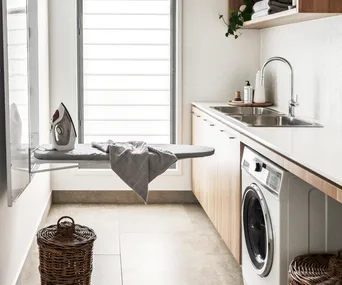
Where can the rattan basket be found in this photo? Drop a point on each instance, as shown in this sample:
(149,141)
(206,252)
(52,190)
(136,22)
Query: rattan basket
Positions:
(66,253)
(316,269)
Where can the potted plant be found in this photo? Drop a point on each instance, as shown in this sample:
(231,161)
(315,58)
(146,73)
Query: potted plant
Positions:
(237,18)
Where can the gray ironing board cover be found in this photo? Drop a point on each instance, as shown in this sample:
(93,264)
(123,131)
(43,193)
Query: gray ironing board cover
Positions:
(85,152)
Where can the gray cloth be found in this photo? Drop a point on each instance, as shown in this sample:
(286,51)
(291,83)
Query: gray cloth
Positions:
(136,163)
(279,5)
(276,7)
(288,2)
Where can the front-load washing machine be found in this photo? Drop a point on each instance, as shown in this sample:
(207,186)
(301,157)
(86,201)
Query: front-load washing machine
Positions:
(282,217)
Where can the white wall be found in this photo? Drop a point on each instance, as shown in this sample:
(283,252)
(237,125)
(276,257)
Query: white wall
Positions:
(314,49)
(213,68)
(19,223)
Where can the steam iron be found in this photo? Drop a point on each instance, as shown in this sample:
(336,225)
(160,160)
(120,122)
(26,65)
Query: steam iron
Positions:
(63,132)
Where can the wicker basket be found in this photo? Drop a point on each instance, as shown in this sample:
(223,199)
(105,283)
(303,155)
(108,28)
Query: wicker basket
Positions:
(316,269)
(66,253)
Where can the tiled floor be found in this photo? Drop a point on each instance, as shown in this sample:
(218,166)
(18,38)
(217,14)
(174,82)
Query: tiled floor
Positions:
(148,245)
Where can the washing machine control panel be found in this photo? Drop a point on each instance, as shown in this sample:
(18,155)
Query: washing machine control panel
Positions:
(266,172)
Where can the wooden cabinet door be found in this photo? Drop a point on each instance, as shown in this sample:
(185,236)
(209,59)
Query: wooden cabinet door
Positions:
(209,172)
(229,190)
(196,162)
(216,179)
(204,170)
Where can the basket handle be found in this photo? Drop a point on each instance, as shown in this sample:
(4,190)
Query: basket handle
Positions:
(66,229)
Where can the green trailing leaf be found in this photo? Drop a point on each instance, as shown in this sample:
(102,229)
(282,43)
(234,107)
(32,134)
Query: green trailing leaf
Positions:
(237,18)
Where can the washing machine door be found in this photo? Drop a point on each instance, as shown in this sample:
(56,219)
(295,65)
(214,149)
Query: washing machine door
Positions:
(257,229)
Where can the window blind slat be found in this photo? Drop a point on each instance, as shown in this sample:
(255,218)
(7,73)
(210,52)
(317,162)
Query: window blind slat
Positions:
(17,52)
(149,139)
(16,21)
(128,51)
(149,98)
(17,37)
(126,21)
(129,127)
(19,82)
(155,7)
(17,66)
(126,67)
(127,113)
(126,36)
(126,82)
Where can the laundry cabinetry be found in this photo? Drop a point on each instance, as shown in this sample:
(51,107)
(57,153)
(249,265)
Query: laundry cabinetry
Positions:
(216,179)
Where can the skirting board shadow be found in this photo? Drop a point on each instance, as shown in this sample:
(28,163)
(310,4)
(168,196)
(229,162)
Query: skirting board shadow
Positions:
(122,197)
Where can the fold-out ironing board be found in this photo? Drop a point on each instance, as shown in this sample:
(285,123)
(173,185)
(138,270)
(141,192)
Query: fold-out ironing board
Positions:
(86,156)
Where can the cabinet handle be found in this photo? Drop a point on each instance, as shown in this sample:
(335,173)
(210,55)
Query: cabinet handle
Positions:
(198,116)
(210,123)
(231,137)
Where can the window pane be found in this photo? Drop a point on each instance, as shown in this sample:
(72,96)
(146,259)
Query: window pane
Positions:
(126,70)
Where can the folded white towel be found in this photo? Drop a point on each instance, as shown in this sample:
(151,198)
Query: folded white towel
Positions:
(261,5)
(259,14)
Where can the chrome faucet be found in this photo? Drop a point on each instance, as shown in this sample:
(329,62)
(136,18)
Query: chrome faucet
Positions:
(293,102)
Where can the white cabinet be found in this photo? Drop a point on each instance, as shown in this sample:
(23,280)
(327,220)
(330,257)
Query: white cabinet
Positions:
(216,179)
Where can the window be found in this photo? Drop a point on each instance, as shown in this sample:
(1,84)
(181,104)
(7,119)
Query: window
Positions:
(126,70)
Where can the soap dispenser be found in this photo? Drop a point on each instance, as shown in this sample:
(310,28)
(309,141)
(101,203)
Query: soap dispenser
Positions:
(248,93)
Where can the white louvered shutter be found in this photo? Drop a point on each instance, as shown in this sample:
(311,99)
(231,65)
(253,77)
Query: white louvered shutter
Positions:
(126,70)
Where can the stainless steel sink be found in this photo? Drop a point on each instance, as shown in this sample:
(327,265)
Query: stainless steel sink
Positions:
(246,110)
(273,121)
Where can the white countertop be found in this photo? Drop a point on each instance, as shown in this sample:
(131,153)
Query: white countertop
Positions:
(318,149)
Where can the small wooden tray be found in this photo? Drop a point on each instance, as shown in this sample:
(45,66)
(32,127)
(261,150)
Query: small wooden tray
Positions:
(242,104)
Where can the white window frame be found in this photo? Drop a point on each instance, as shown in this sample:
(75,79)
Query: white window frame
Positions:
(178,179)
(174,72)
